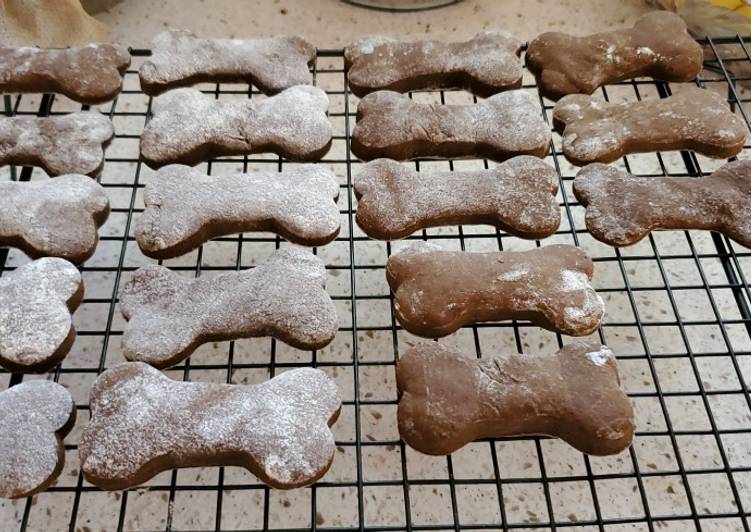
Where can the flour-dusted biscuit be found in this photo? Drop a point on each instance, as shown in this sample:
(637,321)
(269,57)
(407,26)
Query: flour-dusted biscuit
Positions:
(436,292)
(170,315)
(61,144)
(393,126)
(189,127)
(143,423)
(658,46)
(185,208)
(622,209)
(180,58)
(35,416)
(36,302)
(486,64)
(692,119)
(448,400)
(55,217)
(518,196)
(92,73)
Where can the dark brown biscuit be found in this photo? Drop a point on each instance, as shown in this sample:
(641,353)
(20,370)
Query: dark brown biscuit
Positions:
(692,119)
(436,291)
(91,74)
(486,64)
(56,217)
(623,209)
(185,208)
(63,144)
(393,126)
(180,58)
(143,423)
(36,327)
(170,315)
(189,127)
(657,46)
(448,400)
(517,196)
(36,416)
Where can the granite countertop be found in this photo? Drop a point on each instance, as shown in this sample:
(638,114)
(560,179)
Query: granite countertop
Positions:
(332,23)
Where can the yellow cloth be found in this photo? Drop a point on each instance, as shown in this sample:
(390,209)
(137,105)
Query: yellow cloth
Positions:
(739,6)
(716,17)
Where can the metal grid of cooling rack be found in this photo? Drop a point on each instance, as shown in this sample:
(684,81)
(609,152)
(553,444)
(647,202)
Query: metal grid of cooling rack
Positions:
(677,316)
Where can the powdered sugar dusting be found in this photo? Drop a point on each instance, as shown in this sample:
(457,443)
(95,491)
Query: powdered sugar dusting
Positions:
(448,399)
(181,58)
(183,204)
(33,414)
(517,195)
(377,62)
(459,288)
(693,118)
(621,209)
(188,126)
(64,144)
(601,356)
(394,126)
(36,293)
(277,429)
(283,297)
(658,46)
(90,74)
(54,217)
(585,307)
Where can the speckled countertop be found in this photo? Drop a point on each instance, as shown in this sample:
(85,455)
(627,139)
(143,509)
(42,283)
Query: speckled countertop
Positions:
(332,23)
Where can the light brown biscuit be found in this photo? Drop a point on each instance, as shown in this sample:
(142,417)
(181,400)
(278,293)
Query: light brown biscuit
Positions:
(61,144)
(36,327)
(658,46)
(185,208)
(436,291)
(486,64)
(143,423)
(36,416)
(448,400)
(170,315)
(693,119)
(189,127)
(518,196)
(92,73)
(393,126)
(622,209)
(56,217)
(180,58)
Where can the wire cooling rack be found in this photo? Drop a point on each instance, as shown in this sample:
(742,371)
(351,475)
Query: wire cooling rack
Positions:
(677,316)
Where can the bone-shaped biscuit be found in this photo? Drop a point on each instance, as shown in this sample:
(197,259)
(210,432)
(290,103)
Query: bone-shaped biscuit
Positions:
(517,196)
(623,209)
(189,127)
(185,208)
(92,73)
(486,64)
(55,217)
(36,301)
(36,416)
(657,46)
(692,119)
(436,292)
(63,144)
(171,315)
(143,423)
(180,58)
(448,400)
(393,126)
